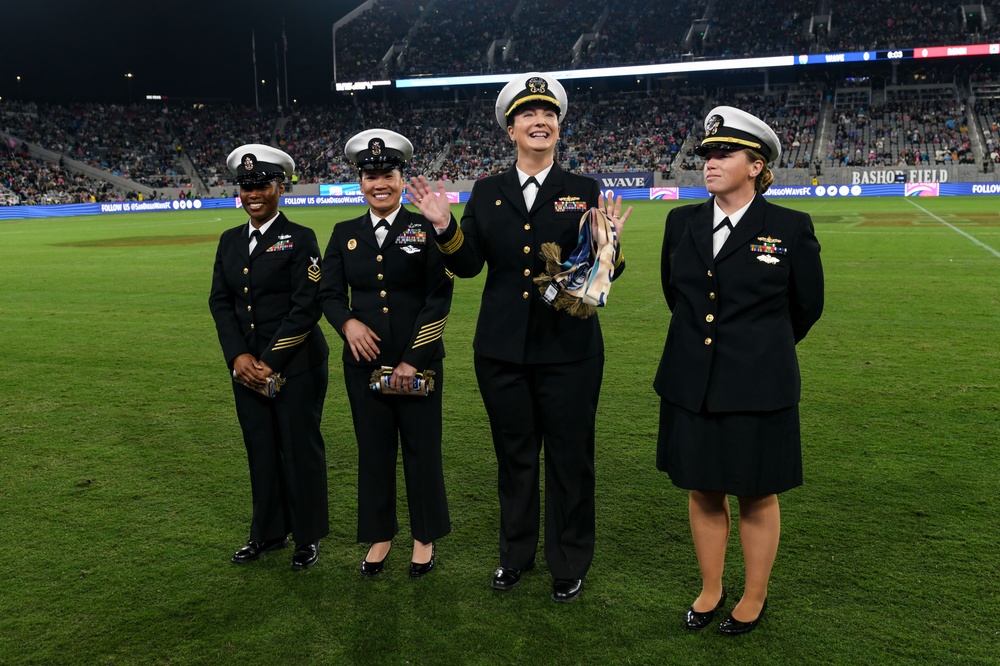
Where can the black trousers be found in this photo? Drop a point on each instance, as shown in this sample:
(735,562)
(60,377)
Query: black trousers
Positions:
(287,458)
(551,407)
(381,423)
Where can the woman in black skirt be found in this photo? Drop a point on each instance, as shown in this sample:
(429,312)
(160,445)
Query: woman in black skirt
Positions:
(744,283)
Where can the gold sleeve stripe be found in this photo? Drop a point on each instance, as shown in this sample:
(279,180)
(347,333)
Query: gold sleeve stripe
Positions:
(429,333)
(452,246)
(448,274)
(286,343)
(621,258)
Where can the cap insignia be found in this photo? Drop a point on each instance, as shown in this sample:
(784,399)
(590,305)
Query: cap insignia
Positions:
(376,146)
(248,162)
(712,124)
(537,85)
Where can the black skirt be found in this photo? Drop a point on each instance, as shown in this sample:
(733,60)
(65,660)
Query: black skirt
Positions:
(737,453)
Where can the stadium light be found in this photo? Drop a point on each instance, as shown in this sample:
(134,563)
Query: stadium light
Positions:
(19,98)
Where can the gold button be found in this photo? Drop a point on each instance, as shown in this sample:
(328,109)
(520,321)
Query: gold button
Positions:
(249,308)
(708,341)
(385,310)
(527,249)
(710,274)
(252,327)
(498,202)
(382,293)
(527,226)
(710,318)
(378,258)
(246,290)
(711,295)
(381,277)
(524,295)
(527,272)
(245,271)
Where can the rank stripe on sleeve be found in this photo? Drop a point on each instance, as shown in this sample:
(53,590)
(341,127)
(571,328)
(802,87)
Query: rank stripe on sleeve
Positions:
(286,343)
(429,333)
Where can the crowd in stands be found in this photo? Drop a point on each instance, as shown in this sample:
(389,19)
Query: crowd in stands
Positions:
(927,133)
(741,29)
(32,181)
(636,32)
(125,140)
(455,36)
(643,131)
(896,24)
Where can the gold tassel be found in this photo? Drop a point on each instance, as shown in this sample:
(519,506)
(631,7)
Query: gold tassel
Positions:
(552,253)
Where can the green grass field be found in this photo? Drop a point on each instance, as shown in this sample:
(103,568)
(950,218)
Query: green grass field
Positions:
(124,488)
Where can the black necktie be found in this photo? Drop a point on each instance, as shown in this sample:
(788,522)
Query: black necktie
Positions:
(725,223)
(382,224)
(255,237)
(531,179)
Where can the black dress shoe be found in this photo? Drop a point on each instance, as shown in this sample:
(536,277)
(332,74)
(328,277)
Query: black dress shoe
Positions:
(697,620)
(254,551)
(372,568)
(566,589)
(507,578)
(305,555)
(733,627)
(418,570)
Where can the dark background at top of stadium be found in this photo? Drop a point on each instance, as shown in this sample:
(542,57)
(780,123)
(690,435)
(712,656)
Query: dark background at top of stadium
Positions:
(66,51)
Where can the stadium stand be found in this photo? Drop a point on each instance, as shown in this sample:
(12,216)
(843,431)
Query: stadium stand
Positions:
(400,38)
(915,115)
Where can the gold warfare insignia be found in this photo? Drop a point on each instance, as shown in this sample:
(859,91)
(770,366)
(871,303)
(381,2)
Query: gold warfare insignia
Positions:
(768,239)
(376,146)
(537,84)
(569,198)
(248,162)
(712,124)
(314,269)
(351,244)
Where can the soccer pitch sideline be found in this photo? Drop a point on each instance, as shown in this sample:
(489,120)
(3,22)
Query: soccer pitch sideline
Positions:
(124,488)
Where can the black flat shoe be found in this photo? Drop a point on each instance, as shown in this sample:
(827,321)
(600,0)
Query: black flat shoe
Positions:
(565,590)
(418,570)
(305,555)
(507,578)
(696,620)
(373,568)
(254,551)
(733,627)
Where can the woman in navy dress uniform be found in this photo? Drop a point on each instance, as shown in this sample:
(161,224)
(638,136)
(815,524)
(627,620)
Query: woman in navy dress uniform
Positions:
(387,294)
(265,302)
(539,369)
(744,283)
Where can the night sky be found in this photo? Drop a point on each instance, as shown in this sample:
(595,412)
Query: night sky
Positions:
(73,51)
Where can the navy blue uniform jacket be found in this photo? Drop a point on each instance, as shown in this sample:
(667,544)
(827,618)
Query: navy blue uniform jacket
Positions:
(737,318)
(515,325)
(267,304)
(401,291)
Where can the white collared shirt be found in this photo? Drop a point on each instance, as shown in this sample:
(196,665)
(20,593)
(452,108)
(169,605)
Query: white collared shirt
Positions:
(380,234)
(262,229)
(531,191)
(720,236)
